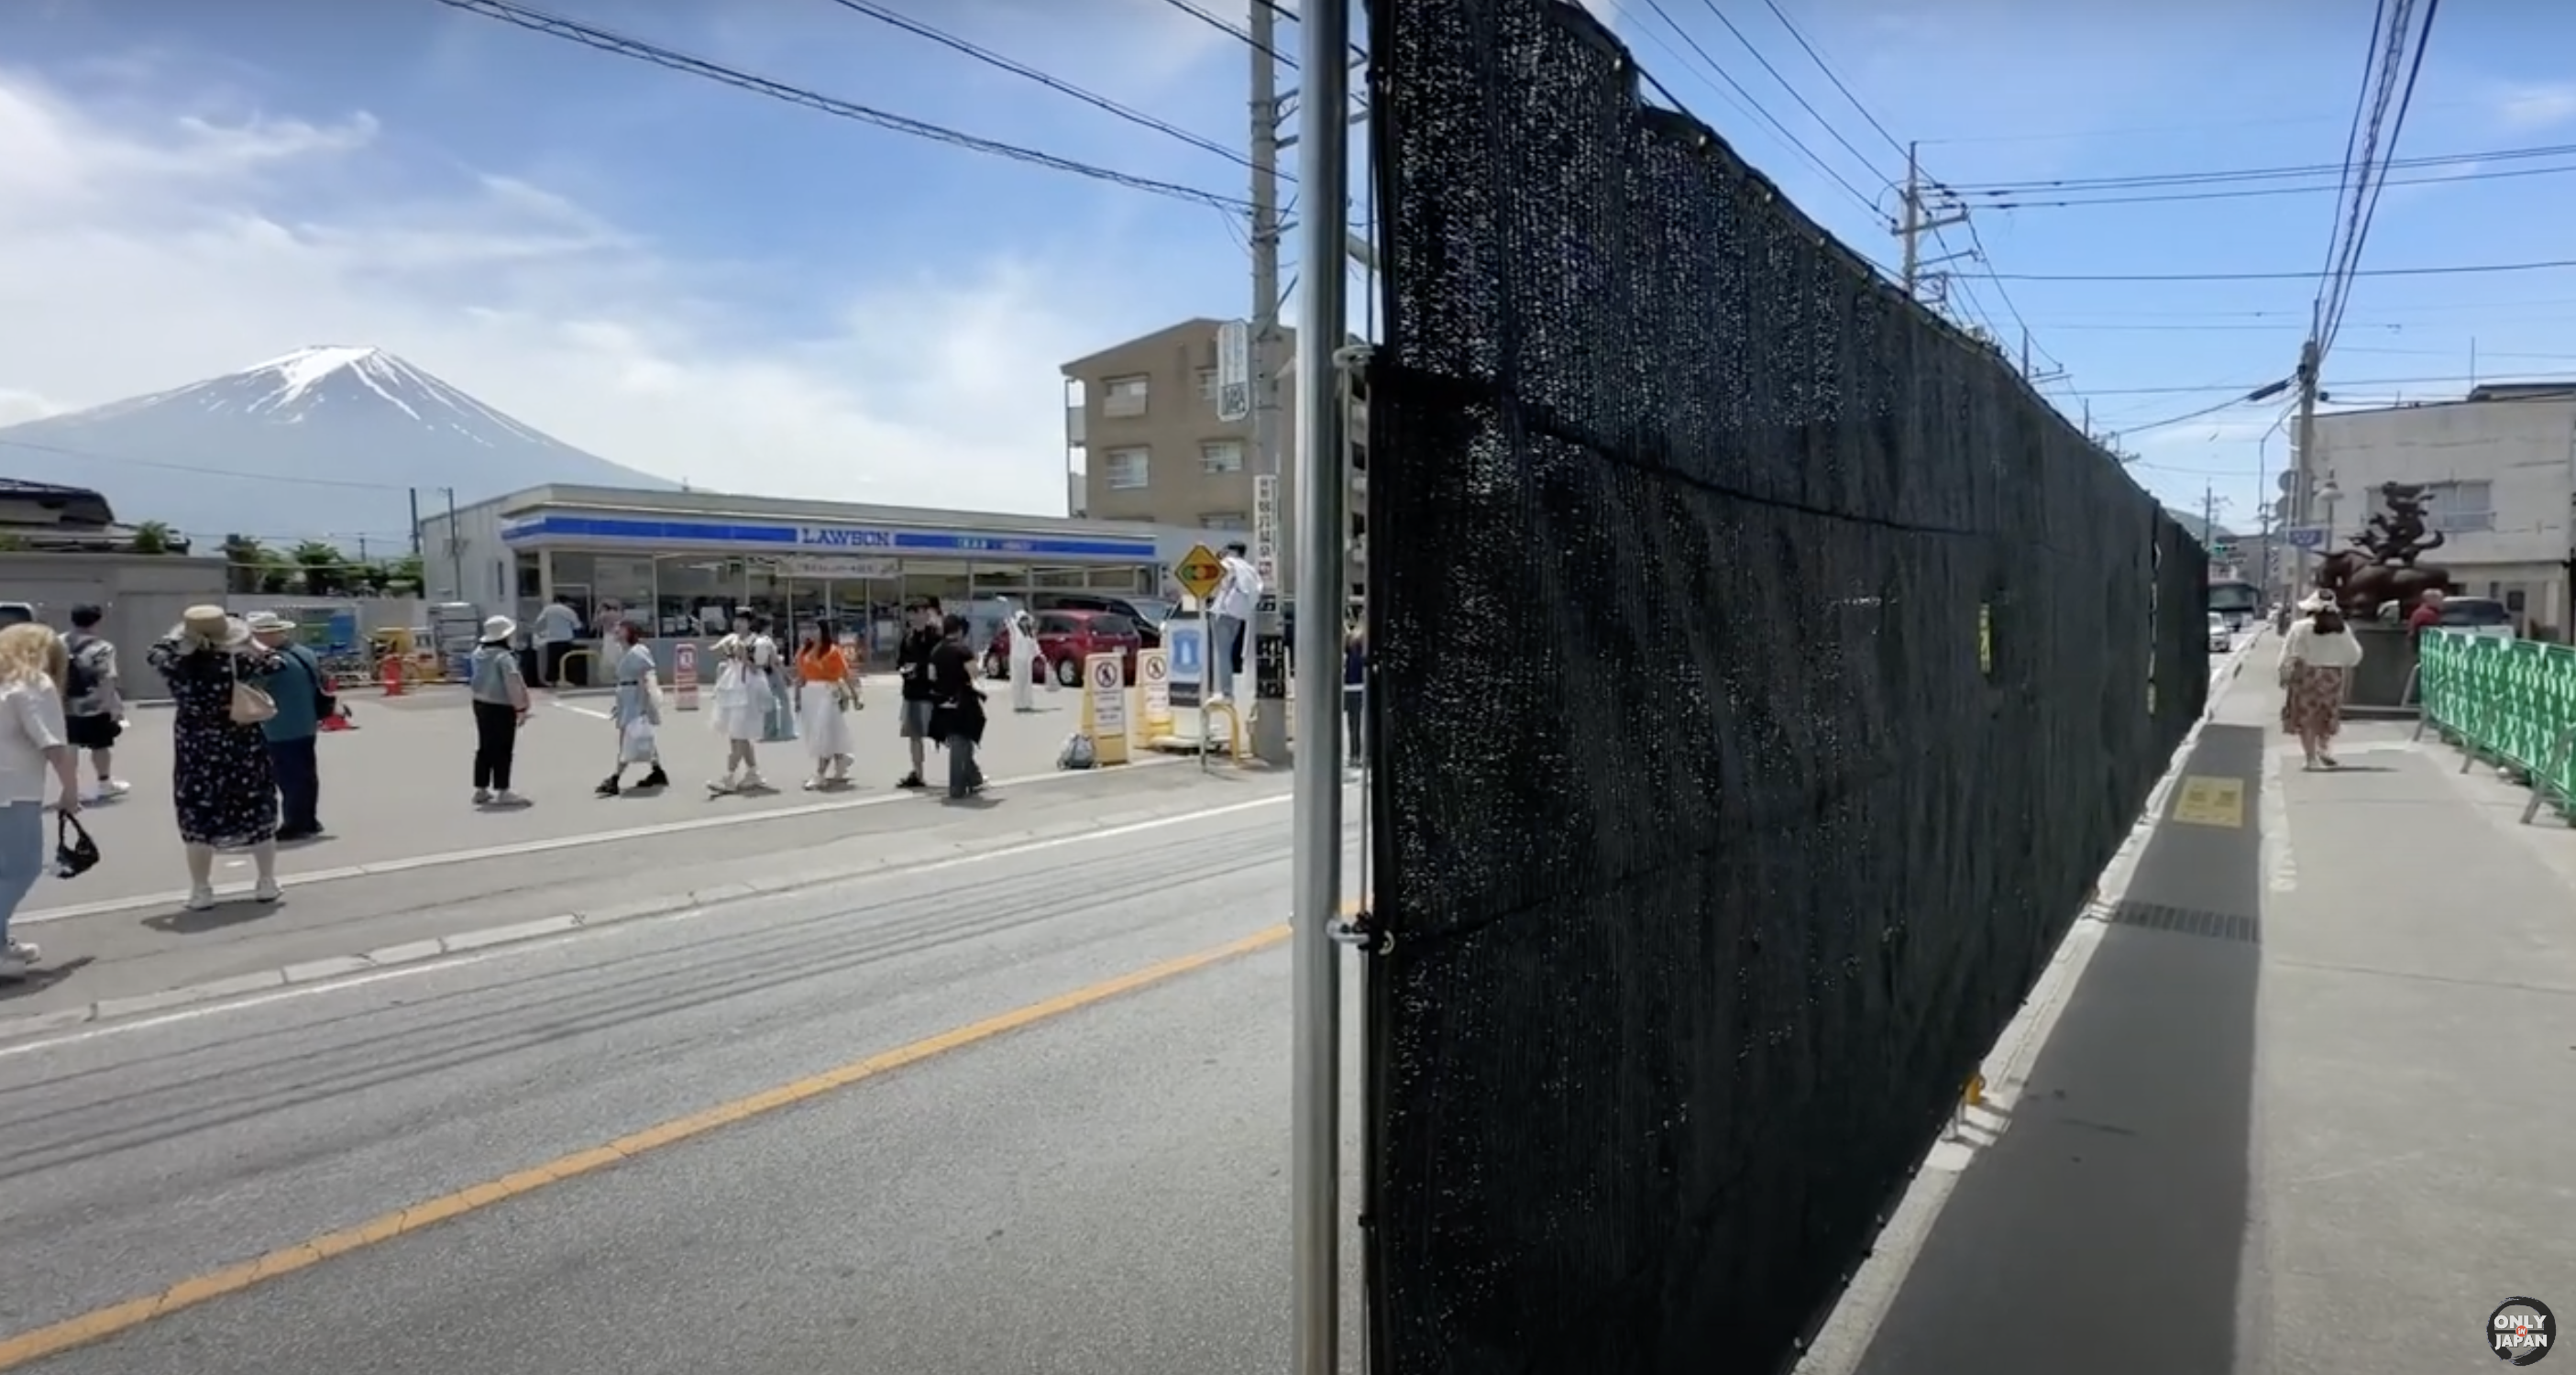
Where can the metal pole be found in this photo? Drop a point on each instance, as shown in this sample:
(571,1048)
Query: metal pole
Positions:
(1315,1095)
(455,547)
(1269,719)
(1913,216)
(2303,491)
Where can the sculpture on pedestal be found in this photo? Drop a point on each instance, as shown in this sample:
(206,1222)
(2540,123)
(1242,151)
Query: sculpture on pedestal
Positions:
(2381,564)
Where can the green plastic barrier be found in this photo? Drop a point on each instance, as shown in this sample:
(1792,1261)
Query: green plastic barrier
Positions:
(2509,701)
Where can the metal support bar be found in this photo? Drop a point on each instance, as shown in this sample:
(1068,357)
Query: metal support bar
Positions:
(1315,1094)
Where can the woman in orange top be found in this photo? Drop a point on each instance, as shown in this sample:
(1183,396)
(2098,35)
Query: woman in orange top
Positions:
(822,696)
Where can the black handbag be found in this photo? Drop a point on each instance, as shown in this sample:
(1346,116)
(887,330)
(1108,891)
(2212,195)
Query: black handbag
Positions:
(75,853)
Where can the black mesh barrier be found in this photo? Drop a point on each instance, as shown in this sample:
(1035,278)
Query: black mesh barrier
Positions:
(1763,676)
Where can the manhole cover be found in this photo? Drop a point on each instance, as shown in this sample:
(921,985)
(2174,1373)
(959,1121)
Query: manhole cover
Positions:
(2189,921)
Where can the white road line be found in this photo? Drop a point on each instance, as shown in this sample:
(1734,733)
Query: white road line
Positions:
(586,711)
(2272,813)
(408,863)
(443,962)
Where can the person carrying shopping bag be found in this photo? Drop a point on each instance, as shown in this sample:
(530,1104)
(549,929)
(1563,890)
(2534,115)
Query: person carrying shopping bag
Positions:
(638,712)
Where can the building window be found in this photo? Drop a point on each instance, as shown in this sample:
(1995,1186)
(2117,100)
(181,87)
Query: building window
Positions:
(1224,520)
(1123,396)
(1207,385)
(1221,456)
(2460,507)
(1128,469)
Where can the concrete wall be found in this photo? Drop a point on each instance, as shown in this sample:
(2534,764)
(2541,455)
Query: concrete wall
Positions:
(143,595)
(2524,448)
(374,613)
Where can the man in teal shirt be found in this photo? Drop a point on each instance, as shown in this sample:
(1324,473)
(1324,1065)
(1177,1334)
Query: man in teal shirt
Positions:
(297,687)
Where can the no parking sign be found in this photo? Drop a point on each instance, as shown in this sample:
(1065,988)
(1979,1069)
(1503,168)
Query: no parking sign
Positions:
(1154,673)
(1104,706)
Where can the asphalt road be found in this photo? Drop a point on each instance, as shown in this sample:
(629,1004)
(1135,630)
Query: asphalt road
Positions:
(1097,1184)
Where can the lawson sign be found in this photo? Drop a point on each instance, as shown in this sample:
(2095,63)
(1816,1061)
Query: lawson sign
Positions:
(762,538)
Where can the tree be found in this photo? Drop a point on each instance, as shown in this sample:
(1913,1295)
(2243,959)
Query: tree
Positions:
(151,537)
(244,561)
(323,569)
(408,577)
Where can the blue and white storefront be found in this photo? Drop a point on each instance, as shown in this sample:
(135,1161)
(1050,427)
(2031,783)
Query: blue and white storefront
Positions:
(683,562)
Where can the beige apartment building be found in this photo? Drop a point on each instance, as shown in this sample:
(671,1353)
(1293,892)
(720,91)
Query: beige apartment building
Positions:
(1144,442)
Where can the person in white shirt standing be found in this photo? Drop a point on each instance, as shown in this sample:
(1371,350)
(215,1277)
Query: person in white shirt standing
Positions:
(33,663)
(1229,611)
(557,627)
(2316,656)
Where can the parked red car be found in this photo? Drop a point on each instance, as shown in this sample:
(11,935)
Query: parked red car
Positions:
(1066,639)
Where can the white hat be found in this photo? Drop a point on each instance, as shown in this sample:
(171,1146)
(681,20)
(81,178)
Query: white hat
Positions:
(269,623)
(2313,603)
(499,628)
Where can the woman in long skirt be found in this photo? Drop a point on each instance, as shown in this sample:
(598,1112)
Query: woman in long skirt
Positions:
(2316,656)
(781,723)
(743,702)
(822,696)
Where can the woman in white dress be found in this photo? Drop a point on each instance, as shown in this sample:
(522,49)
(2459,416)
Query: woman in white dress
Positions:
(822,696)
(1025,665)
(744,660)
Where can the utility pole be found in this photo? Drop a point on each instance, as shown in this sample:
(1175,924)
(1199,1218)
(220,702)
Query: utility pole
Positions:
(1270,687)
(1315,886)
(2303,492)
(415,522)
(1915,223)
(455,546)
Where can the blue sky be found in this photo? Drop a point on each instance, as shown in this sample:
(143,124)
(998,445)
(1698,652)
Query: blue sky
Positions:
(755,295)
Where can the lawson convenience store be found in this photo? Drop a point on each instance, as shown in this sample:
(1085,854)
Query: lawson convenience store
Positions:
(683,562)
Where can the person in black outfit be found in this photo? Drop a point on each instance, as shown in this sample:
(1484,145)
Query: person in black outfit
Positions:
(912,665)
(957,708)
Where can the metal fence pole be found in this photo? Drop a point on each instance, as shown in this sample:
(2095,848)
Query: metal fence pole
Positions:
(1315,1097)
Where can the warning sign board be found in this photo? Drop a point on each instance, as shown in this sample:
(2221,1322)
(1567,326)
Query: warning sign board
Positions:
(1104,707)
(1199,571)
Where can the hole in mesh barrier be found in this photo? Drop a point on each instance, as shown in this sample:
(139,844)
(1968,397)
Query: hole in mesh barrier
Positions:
(2189,921)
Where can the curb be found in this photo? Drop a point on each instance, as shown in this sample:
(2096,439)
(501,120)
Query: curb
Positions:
(22,1027)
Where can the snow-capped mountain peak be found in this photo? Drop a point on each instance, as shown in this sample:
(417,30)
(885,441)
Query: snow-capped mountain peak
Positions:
(325,419)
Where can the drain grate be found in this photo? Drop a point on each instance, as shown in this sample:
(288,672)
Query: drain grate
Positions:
(2189,921)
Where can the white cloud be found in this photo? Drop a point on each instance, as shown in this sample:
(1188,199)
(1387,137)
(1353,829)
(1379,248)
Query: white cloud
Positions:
(2537,107)
(143,247)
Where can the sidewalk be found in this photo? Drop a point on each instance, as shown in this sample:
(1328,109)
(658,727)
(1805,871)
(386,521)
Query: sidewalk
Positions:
(2308,1107)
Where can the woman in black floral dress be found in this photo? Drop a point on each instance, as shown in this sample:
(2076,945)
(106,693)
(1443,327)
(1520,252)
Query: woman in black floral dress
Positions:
(226,795)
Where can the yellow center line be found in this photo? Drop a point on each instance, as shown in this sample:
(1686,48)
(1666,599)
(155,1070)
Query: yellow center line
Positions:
(102,1323)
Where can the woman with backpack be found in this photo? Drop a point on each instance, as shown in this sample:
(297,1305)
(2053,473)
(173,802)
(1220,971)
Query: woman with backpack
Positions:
(2318,654)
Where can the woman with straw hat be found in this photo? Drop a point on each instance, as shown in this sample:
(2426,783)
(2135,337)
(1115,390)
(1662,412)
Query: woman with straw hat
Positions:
(2316,656)
(221,782)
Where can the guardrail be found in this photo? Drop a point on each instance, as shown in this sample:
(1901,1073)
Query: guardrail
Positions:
(2509,703)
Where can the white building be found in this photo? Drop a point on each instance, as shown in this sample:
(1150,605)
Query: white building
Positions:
(2500,466)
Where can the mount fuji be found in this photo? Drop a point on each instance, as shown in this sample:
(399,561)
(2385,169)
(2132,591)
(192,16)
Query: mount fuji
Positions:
(323,443)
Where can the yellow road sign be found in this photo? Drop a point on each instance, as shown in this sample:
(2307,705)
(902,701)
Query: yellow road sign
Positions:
(1200,571)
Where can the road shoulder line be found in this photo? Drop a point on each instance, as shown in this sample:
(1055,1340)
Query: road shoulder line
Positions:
(27,1032)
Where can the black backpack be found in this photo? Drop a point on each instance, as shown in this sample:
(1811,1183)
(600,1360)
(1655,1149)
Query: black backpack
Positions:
(82,678)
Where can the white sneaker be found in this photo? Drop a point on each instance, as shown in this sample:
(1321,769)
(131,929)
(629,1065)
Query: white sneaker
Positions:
(267,891)
(482,797)
(753,783)
(24,952)
(112,787)
(507,798)
(199,899)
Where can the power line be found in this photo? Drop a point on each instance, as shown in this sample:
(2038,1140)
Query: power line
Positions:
(299,480)
(536,21)
(1239,33)
(2264,391)
(1821,122)
(2225,176)
(1767,117)
(2143,130)
(2370,211)
(1047,79)
(2463,270)
(2176,198)
(1827,68)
